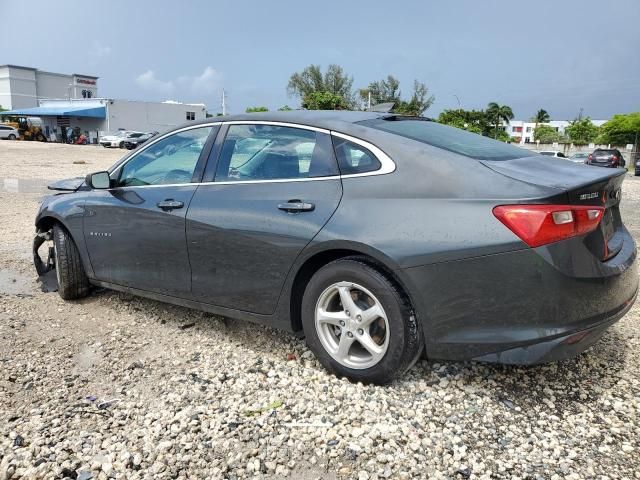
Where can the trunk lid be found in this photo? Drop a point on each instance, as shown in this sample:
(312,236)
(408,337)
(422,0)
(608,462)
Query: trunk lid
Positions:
(582,185)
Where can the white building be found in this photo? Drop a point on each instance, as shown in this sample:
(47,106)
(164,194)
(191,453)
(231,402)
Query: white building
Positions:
(23,87)
(524,130)
(97,116)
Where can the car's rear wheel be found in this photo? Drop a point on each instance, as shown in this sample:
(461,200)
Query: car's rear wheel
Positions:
(358,322)
(72,279)
(12,137)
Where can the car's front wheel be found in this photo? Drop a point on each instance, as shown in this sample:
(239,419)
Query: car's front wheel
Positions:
(72,279)
(358,322)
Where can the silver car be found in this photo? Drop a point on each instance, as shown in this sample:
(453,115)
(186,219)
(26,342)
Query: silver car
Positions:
(8,133)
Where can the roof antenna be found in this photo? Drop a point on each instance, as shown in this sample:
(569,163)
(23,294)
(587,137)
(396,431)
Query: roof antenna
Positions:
(382,107)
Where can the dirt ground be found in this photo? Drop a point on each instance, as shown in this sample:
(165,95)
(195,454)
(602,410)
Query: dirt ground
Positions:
(115,386)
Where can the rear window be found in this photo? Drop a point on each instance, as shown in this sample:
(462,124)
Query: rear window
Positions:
(448,138)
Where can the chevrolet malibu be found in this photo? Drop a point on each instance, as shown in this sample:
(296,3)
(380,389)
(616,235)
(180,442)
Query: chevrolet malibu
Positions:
(377,237)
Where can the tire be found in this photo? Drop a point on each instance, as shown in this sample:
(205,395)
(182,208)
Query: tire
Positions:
(12,137)
(41,138)
(395,352)
(121,145)
(72,279)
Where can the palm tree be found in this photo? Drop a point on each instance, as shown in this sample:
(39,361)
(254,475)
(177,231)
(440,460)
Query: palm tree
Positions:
(498,113)
(542,116)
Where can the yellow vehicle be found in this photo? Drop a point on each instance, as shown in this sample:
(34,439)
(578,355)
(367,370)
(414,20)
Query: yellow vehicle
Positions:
(29,128)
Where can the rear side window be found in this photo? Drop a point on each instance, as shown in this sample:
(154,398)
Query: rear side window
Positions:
(448,138)
(352,158)
(270,152)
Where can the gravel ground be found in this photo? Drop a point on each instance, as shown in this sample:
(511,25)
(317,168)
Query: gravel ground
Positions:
(115,386)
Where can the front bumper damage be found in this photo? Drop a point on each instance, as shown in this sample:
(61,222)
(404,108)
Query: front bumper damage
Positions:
(43,266)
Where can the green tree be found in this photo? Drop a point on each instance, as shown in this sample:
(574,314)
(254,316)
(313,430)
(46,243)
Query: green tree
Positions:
(256,109)
(497,114)
(419,102)
(471,120)
(621,130)
(499,134)
(285,108)
(382,91)
(546,134)
(324,101)
(542,116)
(311,80)
(388,90)
(582,131)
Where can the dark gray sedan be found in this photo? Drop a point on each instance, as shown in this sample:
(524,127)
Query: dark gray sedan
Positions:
(378,237)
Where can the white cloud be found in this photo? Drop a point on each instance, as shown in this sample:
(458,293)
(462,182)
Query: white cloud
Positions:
(100,50)
(148,81)
(206,83)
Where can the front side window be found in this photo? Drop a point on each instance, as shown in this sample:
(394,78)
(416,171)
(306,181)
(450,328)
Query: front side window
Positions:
(171,160)
(352,158)
(270,152)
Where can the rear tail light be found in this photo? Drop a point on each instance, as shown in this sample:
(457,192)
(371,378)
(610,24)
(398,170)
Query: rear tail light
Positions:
(539,225)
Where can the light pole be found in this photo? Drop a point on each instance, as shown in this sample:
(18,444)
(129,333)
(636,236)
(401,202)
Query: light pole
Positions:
(459,104)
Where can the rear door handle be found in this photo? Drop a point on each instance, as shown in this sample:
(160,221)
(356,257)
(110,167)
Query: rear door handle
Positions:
(296,206)
(170,204)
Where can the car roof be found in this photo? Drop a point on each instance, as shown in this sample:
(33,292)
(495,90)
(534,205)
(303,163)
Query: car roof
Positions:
(316,118)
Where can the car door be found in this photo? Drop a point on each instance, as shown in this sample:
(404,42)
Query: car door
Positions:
(135,231)
(275,187)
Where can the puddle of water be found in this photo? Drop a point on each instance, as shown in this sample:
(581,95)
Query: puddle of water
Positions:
(12,283)
(23,185)
(48,282)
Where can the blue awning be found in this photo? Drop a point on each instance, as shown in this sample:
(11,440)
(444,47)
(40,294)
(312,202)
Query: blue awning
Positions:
(61,111)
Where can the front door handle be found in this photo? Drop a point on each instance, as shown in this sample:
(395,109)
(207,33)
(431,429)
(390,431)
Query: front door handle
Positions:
(294,206)
(170,204)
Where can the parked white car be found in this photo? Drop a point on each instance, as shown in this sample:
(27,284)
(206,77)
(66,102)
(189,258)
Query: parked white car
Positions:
(8,133)
(115,139)
(552,153)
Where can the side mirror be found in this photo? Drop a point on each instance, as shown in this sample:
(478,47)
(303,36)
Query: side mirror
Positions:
(99,180)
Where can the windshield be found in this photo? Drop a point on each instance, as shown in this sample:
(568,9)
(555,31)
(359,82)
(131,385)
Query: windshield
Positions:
(448,138)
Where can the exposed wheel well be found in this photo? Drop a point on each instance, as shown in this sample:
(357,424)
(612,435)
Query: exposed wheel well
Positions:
(315,263)
(46,223)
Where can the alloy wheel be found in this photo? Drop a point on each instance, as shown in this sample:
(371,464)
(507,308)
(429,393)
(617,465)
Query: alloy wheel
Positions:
(352,325)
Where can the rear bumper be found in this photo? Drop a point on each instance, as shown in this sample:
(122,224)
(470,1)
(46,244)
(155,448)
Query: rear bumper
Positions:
(522,307)
(559,348)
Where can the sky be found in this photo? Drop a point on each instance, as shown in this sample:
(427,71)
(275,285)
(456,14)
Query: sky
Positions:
(560,55)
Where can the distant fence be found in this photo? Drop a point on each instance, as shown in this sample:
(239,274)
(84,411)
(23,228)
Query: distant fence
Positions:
(628,151)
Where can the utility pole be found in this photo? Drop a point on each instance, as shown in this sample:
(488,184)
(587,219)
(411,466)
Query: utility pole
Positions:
(369,101)
(224,102)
